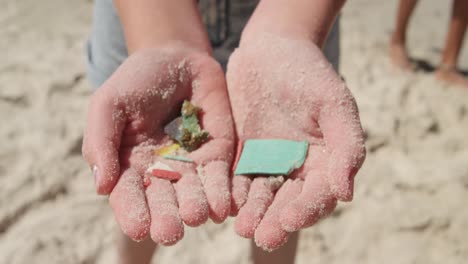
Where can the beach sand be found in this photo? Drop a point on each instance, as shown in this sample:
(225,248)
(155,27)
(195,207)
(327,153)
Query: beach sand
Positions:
(411,195)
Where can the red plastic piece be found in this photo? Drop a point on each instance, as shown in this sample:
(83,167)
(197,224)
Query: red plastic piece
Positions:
(146,181)
(240,146)
(165,174)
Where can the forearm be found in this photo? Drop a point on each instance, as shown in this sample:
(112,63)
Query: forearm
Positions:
(156,23)
(311,19)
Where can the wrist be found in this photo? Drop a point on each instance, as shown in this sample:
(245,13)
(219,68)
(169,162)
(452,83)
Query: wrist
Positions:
(169,42)
(258,26)
(150,24)
(299,19)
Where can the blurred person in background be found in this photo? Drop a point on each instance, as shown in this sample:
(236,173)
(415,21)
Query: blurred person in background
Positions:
(447,70)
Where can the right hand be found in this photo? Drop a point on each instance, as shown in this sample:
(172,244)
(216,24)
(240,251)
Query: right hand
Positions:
(125,125)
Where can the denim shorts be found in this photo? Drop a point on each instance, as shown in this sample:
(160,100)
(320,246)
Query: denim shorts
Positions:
(224,21)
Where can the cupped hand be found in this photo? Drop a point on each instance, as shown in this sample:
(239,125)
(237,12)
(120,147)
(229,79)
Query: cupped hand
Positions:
(125,125)
(286,89)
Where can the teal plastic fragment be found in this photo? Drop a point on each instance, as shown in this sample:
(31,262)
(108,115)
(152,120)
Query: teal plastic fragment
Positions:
(191,124)
(179,158)
(271,156)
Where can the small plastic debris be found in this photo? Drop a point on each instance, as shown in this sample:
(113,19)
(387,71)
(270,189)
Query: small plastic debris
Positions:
(174,129)
(179,158)
(146,182)
(173,152)
(167,150)
(165,174)
(271,156)
(163,171)
(186,130)
(159,165)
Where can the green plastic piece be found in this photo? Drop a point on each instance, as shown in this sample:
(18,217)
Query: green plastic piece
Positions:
(271,156)
(190,123)
(179,158)
(186,130)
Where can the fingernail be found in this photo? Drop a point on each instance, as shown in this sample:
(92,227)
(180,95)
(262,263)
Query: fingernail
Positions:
(95,174)
(275,182)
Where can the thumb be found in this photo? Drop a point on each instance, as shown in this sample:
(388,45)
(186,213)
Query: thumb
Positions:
(101,140)
(344,138)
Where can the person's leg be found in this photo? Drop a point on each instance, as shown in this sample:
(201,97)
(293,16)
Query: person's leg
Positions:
(398,53)
(331,48)
(448,68)
(106,48)
(285,254)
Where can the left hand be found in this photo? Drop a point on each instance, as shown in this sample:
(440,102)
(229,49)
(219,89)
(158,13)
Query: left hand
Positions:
(285,88)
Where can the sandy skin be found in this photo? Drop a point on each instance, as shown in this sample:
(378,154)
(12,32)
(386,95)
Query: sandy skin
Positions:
(125,126)
(276,92)
(75,227)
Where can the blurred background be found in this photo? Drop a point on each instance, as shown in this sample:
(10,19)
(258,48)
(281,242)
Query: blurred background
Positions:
(411,195)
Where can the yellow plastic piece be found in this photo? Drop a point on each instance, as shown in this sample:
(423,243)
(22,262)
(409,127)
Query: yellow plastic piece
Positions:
(168,150)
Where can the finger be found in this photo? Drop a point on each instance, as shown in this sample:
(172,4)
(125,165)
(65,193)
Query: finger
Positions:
(210,94)
(166,226)
(342,131)
(129,205)
(240,191)
(269,234)
(250,215)
(193,206)
(216,184)
(314,202)
(102,140)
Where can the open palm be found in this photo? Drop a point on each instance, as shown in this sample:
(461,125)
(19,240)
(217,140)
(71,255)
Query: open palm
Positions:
(286,89)
(125,125)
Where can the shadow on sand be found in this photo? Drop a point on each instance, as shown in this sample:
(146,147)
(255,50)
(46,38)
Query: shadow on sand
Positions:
(427,67)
